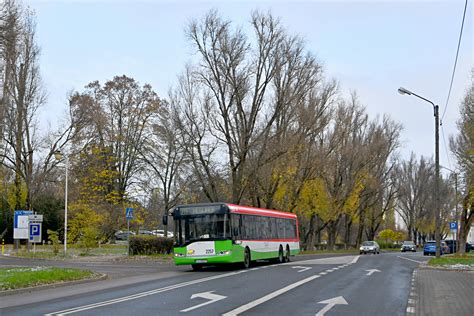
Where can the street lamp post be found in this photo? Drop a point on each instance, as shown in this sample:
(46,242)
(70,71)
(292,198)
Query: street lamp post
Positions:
(437,200)
(59,156)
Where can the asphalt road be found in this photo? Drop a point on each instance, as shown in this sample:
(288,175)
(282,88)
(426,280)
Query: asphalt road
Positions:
(312,285)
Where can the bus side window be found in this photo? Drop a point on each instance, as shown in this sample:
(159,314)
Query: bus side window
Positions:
(243,227)
(235,220)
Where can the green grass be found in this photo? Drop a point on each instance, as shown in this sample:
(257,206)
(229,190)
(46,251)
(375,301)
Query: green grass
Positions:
(14,278)
(46,252)
(452,260)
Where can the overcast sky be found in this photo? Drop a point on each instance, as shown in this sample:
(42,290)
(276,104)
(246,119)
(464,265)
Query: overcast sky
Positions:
(371,47)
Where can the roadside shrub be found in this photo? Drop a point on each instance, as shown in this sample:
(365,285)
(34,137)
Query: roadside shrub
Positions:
(53,237)
(387,245)
(87,239)
(148,245)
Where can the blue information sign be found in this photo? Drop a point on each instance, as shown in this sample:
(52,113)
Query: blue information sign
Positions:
(20,213)
(453,225)
(129,213)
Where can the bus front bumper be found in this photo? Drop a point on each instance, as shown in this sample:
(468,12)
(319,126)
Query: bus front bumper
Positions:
(183,260)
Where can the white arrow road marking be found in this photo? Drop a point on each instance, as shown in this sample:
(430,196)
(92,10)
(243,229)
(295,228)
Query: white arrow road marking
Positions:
(206,295)
(330,304)
(302,268)
(371,271)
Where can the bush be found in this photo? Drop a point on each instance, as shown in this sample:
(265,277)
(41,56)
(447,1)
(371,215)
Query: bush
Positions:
(148,245)
(87,239)
(54,239)
(387,245)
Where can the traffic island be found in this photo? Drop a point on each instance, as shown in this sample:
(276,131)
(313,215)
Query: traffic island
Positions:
(24,279)
(453,262)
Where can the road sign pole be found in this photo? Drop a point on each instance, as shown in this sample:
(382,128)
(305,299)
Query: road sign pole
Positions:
(128,237)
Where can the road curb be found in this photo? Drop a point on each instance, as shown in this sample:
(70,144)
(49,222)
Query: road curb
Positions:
(97,277)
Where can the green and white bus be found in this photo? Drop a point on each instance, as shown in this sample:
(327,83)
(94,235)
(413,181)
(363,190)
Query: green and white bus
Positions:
(216,233)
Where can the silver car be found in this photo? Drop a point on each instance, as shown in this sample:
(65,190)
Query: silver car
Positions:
(369,247)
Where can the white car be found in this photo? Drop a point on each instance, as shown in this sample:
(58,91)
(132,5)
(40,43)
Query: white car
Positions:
(161,233)
(369,247)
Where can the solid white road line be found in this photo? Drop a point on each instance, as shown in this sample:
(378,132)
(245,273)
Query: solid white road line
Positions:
(355,259)
(268,297)
(411,259)
(143,294)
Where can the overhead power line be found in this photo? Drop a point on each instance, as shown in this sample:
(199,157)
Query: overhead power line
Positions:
(445,146)
(455,63)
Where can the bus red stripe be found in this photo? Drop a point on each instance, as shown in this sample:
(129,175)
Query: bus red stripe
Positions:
(263,212)
(272,240)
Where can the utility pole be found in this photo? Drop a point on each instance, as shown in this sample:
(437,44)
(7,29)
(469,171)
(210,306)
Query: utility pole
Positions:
(436,193)
(437,198)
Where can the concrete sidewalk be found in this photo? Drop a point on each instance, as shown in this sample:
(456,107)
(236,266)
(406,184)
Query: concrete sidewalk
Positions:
(442,292)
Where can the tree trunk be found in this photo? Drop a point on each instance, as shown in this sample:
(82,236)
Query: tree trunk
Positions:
(348,230)
(310,235)
(360,230)
(465,224)
(332,232)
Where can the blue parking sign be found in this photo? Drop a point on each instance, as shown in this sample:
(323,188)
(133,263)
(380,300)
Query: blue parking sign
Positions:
(453,225)
(35,232)
(129,213)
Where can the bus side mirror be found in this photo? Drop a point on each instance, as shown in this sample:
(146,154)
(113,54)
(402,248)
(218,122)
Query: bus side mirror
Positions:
(165,220)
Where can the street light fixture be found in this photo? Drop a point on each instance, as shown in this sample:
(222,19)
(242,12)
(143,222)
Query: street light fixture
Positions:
(403,91)
(59,156)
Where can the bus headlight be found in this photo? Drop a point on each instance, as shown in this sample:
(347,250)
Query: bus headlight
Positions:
(179,255)
(224,253)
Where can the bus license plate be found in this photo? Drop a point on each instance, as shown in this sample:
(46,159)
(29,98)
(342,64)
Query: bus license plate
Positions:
(201,261)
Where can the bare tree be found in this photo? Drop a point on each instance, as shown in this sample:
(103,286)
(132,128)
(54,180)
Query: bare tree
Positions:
(164,157)
(415,184)
(463,148)
(22,96)
(114,117)
(237,76)
(342,163)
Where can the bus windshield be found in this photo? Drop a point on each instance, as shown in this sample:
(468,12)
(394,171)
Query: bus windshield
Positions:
(202,227)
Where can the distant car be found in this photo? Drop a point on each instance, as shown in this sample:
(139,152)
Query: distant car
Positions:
(122,235)
(471,246)
(408,245)
(161,233)
(453,246)
(430,248)
(369,247)
(144,232)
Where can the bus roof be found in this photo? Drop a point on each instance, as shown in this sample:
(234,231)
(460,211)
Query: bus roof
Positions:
(239,209)
(211,208)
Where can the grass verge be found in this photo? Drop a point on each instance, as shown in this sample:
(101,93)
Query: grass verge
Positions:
(452,260)
(14,278)
(46,252)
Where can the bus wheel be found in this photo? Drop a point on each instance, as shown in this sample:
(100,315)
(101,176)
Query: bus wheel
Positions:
(281,257)
(287,254)
(196,267)
(247,258)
